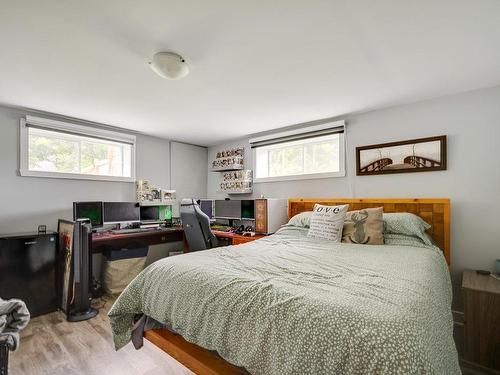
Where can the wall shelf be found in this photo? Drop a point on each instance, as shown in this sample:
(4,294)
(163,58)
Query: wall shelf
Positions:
(243,191)
(234,179)
(237,182)
(232,167)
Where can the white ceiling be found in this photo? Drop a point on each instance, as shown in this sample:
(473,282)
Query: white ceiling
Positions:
(256,65)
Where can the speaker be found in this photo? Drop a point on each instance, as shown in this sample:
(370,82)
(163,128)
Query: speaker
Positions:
(82,263)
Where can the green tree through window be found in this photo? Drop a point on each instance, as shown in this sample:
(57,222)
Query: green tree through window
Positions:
(52,151)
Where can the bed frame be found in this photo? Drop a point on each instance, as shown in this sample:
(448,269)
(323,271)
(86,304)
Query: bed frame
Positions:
(205,362)
(199,360)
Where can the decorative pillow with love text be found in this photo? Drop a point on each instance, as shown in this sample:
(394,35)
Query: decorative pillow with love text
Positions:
(327,222)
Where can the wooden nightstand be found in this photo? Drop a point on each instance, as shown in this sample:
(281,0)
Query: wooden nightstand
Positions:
(482,319)
(235,239)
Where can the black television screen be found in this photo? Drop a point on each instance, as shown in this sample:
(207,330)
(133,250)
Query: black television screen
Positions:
(88,210)
(248,209)
(150,213)
(116,212)
(227,209)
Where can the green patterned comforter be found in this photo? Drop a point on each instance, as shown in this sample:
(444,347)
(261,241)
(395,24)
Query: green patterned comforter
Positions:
(289,304)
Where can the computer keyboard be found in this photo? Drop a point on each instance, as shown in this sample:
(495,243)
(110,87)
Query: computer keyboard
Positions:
(222,228)
(131,230)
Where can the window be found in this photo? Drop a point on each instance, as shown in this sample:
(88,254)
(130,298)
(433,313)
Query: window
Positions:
(314,152)
(61,150)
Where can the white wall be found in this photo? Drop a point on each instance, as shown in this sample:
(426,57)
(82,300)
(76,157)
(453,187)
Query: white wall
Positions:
(472,181)
(188,171)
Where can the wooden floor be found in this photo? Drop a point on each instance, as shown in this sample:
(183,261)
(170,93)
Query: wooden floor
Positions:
(51,346)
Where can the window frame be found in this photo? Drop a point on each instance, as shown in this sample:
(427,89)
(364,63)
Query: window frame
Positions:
(307,176)
(84,131)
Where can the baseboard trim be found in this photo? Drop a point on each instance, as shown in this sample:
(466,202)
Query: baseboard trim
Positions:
(464,364)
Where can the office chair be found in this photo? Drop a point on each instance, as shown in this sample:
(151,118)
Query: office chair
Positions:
(196,226)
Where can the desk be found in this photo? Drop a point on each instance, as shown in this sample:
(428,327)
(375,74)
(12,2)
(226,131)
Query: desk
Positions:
(106,241)
(235,239)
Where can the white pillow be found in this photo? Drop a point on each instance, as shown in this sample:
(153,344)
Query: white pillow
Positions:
(301,220)
(327,222)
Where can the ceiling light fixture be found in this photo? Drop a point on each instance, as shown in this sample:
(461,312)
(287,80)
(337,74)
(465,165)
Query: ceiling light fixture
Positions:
(169,65)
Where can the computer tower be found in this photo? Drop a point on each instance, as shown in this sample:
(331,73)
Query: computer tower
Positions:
(270,214)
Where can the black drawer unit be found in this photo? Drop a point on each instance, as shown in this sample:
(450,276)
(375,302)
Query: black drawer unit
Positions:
(28,270)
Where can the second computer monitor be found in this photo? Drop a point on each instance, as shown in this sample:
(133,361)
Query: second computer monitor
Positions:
(150,213)
(117,212)
(227,209)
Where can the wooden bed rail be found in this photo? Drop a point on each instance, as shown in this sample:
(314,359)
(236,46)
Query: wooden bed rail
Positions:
(200,361)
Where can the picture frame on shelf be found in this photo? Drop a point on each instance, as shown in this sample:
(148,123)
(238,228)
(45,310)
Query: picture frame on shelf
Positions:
(145,194)
(155,194)
(168,196)
(142,185)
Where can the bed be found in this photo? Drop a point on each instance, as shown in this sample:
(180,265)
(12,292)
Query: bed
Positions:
(290,304)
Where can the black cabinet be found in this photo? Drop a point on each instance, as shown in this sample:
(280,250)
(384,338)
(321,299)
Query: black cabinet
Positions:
(28,270)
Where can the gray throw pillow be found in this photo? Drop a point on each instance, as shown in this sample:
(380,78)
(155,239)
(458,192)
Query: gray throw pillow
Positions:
(408,224)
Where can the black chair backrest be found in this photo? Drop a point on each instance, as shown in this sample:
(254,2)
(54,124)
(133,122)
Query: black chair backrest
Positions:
(196,226)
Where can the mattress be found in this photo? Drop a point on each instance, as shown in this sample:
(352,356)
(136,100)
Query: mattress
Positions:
(290,304)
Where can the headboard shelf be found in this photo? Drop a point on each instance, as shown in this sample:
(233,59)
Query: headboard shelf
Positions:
(436,212)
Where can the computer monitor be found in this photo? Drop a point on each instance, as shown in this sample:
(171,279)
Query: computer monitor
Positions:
(207,206)
(248,209)
(227,209)
(118,212)
(88,210)
(150,213)
(165,214)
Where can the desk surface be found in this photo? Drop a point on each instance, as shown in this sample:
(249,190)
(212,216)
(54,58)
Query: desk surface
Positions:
(106,236)
(222,234)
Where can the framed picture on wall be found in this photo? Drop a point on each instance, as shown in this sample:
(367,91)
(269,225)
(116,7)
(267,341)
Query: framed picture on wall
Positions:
(66,230)
(415,155)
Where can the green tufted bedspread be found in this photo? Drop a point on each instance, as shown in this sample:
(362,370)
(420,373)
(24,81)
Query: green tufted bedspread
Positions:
(289,304)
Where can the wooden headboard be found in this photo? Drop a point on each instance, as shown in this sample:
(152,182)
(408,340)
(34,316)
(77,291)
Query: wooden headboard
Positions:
(436,212)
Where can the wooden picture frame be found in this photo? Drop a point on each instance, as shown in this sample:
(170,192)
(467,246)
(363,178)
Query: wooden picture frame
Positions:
(66,232)
(414,155)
